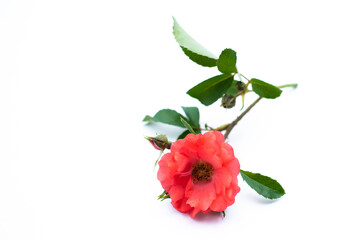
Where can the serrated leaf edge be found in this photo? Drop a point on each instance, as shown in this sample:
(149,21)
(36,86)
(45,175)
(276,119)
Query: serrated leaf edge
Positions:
(205,62)
(188,42)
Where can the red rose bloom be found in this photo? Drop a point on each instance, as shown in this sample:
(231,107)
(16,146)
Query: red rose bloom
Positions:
(200,173)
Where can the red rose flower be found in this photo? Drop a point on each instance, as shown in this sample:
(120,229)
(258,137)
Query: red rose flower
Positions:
(200,173)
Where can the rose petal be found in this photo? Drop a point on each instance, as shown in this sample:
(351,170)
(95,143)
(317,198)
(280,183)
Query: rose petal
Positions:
(222,178)
(176,192)
(219,137)
(181,206)
(202,196)
(219,204)
(167,169)
(233,166)
(183,162)
(209,155)
(193,212)
(226,153)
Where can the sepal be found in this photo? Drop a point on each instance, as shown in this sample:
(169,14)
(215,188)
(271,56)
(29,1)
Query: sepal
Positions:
(164,195)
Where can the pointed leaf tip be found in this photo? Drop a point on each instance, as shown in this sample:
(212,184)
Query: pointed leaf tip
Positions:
(193,115)
(210,90)
(167,116)
(194,50)
(263,185)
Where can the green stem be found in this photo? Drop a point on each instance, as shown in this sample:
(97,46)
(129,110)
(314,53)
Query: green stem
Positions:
(244,77)
(222,128)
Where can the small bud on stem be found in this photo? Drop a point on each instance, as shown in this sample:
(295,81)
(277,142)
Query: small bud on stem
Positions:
(160,142)
(228,101)
(241,87)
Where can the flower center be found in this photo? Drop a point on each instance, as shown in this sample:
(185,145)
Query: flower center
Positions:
(202,172)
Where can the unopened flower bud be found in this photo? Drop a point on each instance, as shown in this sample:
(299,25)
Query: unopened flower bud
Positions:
(240,86)
(228,101)
(159,142)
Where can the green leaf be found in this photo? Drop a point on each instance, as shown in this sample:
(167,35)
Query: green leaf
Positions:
(193,115)
(232,89)
(264,89)
(263,185)
(147,118)
(187,125)
(199,59)
(184,134)
(227,61)
(210,90)
(166,116)
(194,50)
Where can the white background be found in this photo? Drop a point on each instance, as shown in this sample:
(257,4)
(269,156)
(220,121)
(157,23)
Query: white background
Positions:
(77,77)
